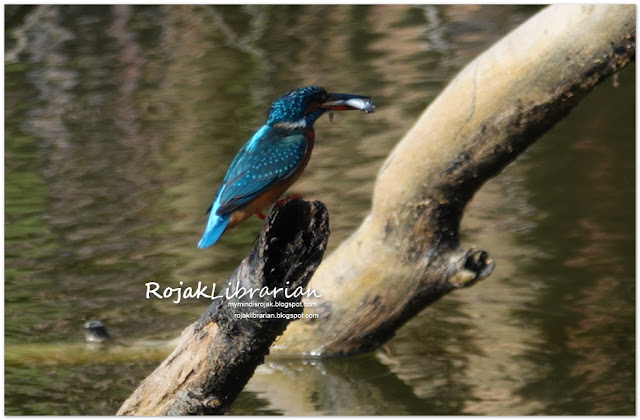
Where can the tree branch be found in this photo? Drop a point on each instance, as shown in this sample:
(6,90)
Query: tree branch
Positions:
(406,253)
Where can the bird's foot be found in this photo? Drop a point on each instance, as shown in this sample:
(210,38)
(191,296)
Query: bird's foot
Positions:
(279,203)
(287,198)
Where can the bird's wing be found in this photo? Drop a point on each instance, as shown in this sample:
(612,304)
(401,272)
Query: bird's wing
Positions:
(265,159)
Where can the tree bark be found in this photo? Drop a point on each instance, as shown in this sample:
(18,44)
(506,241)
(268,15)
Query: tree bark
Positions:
(406,253)
(218,354)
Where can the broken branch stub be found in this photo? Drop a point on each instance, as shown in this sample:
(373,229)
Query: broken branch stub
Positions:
(218,354)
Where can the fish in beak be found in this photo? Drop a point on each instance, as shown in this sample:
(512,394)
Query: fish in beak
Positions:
(346,102)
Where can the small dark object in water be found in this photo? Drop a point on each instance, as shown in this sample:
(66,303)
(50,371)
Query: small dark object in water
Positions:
(95,331)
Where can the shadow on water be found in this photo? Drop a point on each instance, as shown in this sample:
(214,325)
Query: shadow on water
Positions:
(120,122)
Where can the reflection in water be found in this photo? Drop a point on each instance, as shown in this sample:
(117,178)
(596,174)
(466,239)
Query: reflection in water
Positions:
(589,330)
(121,121)
(340,386)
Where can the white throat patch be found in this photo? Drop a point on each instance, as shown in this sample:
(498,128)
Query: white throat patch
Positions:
(302,123)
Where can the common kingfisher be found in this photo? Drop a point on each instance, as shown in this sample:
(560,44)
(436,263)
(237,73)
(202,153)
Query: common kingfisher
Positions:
(274,157)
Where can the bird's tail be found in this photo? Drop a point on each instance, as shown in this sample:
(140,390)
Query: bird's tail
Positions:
(215,226)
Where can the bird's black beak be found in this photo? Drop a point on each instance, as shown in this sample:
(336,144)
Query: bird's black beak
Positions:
(346,101)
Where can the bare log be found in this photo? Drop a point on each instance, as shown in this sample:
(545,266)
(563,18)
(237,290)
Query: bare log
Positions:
(218,354)
(406,253)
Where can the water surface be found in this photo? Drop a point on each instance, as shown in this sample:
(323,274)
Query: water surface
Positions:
(120,122)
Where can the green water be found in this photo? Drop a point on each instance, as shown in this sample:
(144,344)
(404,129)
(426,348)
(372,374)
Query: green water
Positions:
(120,122)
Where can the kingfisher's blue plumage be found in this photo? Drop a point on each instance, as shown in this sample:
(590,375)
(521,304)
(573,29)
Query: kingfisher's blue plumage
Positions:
(273,158)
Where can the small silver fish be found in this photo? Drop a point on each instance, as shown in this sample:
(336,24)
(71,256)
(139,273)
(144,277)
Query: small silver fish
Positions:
(364,105)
